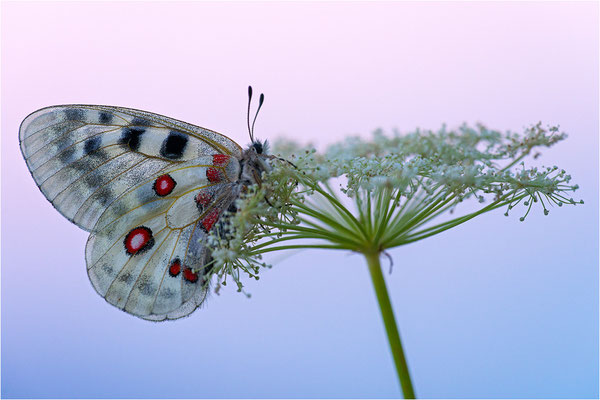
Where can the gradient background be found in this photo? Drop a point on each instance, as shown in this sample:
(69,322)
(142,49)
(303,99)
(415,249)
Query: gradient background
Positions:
(493,308)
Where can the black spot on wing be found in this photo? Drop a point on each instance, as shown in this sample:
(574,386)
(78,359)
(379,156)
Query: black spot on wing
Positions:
(167,293)
(105,195)
(107,268)
(86,164)
(67,155)
(137,121)
(92,144)
(144,197)
(100,154)
(120,208)
(64,141)
(132,137)
(93,179)
(126,277)
(145,286)
(105,118)
(75,114)
(63,129)
(174,145)
(80,165)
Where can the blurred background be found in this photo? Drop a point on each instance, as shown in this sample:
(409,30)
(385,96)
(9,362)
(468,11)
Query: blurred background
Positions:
(495,308)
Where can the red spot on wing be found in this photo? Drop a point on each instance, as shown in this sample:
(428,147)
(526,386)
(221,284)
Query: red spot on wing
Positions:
(203,198)
(190,275)
(220,160)
(210,219)
(214,175)
(175,267)
(164,185)
(138,240)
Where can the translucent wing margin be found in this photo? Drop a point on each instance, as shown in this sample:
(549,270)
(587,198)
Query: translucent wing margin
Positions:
(84,157)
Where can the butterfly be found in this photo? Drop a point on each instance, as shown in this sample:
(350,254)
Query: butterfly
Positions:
(149,189)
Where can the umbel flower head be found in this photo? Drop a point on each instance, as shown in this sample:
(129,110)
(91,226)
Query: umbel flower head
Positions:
(371,195)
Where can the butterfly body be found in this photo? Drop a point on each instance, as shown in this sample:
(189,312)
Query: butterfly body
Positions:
(149,189)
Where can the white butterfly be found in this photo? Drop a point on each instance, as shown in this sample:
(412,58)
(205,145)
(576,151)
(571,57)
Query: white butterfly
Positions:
(149,189)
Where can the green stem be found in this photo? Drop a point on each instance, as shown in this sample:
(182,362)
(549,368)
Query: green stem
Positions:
(390,324)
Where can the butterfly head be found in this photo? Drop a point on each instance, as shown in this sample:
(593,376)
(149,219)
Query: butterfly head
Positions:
(260,147)
(255,160)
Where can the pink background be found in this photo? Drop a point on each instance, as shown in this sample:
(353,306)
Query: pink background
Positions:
(494,308)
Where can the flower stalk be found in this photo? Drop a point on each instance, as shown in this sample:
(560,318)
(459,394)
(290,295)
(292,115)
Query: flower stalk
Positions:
(391,328)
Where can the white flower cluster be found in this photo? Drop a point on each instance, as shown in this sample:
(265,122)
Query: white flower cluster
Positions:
(468,161)
(399,184)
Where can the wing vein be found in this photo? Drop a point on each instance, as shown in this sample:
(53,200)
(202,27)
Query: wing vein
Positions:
(164,274)
(86,156)
(104,184)
(68,147)
(65,149)
(50,126)
(147,262)
(127,262)
(117,241)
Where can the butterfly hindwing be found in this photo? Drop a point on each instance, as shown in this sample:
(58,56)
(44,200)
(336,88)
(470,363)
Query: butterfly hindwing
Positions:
(84,157)
(147,254)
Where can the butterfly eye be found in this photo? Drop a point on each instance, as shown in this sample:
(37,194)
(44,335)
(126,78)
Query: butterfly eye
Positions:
(258,147)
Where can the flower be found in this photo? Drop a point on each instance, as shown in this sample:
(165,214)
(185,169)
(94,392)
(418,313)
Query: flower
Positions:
(398,185)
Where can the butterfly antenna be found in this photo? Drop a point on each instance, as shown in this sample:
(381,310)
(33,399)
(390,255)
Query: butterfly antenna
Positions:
(260,103)
(248,114)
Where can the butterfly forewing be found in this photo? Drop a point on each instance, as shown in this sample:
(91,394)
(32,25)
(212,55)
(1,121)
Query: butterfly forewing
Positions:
(83,157)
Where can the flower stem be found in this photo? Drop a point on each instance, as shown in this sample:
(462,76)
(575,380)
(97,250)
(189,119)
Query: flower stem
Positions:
(390,324)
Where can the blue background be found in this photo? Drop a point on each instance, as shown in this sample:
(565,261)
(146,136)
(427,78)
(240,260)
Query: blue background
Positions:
(494,308)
